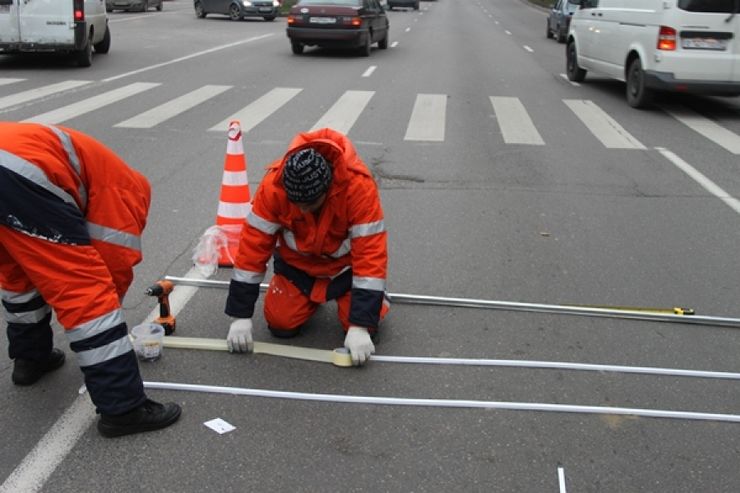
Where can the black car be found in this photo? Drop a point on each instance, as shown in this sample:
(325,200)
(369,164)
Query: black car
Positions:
(338,24)
(559,19)
(238,9)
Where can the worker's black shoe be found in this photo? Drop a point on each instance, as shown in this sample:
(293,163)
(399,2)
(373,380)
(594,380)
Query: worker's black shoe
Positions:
(147,417)
(28,372)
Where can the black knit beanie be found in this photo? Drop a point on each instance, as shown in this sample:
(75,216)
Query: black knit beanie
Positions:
(306,175)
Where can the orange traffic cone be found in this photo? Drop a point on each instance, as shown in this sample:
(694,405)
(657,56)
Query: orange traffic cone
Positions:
(233,205)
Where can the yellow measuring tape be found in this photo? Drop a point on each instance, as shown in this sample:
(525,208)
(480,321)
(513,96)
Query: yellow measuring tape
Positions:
(337,357)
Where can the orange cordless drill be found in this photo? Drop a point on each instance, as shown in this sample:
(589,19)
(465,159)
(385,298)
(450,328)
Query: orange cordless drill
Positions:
(162,290)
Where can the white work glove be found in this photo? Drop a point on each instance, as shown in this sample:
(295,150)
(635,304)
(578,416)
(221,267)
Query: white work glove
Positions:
(359,344)
(240,339)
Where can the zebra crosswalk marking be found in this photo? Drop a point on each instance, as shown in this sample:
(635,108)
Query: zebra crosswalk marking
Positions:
(602,126)
(253,114)
(706,127)
(514,121)
(40,92)
(427,122)
(345,112)
(90,104)
(6,81)
(172,108)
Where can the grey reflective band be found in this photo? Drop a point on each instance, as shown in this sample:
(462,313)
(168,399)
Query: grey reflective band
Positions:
(110,235)
(263,225)
(32,172)
(373,283)
(31,317)
(247,276)
(104,353)
(73,159)
(343,249)
(289,238)
(96,326)
(367,229)
(17,298)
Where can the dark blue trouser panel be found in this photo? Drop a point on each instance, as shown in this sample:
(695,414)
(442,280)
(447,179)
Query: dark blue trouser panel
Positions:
(30,341)
(115,385)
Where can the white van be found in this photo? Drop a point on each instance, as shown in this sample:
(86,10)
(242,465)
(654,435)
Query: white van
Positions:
(67,26)
(690,46)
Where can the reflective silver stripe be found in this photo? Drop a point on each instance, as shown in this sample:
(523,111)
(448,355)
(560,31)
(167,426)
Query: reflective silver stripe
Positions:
(17,298)
(110,235)
(263,225)
(104,353)
(367,229)
(96,326)
(343,249)
(374,283)
(248,276)
(31,317)
(290,240)
(32,172)
(74,161)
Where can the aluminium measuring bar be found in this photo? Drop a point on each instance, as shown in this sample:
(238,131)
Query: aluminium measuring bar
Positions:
(587,311)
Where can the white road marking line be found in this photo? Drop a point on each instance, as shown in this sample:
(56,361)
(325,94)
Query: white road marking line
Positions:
(514,121)
(528,49)
(394,44)
(170,109)
(253,114)
(561,479)
(408,29)
(702,180)
(706,127)
(508,32)
(576,84)
(40,92)
(496,22)
(188,57)
(73,110)
(602,126)
(369,70)
(427,122)
(345,111)
(5,81)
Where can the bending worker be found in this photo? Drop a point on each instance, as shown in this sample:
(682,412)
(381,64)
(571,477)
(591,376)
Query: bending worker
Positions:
(71,216)
(317,212)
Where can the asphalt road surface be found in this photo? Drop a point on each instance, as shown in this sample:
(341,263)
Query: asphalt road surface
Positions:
(500,180)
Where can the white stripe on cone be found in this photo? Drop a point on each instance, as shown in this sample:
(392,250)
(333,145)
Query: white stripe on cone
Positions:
(233,211)
(235,178)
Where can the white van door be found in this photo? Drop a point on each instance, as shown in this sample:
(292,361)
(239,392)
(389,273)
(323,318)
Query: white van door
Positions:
(47,23)
(10,25)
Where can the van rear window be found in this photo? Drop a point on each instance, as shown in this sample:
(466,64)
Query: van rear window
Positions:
(716,6)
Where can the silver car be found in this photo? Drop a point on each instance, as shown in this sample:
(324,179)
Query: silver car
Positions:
(135,5)
(238,9)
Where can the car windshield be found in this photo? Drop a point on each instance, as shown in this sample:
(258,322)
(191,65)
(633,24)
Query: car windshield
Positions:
(715,6)
(570,6)
(351,3)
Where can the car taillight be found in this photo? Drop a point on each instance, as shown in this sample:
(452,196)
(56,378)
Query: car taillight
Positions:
(291,19)
(356,22)
(667,38)
(79,10)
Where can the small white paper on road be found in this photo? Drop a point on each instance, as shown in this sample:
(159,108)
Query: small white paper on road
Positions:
(220,426)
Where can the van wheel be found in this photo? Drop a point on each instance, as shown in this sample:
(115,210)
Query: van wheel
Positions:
(84,56)
(638,96)
(548,32)
(296,47)
(235,13)
(200,13)
(104,46)
(575,73)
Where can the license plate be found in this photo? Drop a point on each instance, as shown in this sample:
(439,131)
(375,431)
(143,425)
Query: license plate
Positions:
(265,9)
(704,44)
(322,20)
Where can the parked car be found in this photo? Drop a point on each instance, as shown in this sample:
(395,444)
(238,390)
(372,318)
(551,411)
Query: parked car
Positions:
(135,5)
(403,3)
(62,26)
(238,9)
(559,19)
(690,46)
(338,24)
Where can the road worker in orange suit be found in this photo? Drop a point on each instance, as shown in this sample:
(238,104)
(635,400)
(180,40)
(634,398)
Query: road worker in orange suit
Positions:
(317,212)
(71,216)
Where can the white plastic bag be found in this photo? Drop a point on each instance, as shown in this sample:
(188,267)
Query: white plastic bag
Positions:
(213,242)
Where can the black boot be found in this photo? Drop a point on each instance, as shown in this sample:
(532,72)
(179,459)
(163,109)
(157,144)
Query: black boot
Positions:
(147,417)
(28,372)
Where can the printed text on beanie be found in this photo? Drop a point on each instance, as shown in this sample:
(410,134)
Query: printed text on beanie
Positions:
(306,176)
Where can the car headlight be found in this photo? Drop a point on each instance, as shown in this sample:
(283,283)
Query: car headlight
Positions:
(275,3)
(247,3)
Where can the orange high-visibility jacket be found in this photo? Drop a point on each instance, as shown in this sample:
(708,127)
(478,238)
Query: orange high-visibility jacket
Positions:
(348,240)
(90,195)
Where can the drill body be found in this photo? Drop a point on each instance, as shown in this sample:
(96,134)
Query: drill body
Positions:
(162,290)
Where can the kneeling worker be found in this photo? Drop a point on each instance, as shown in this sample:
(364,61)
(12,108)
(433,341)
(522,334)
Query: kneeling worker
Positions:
(317,212)
(71,216)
